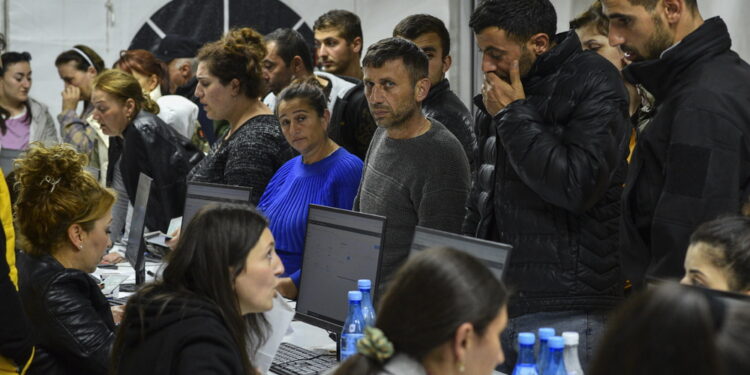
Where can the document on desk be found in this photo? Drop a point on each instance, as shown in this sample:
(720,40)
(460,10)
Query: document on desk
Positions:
(279,319)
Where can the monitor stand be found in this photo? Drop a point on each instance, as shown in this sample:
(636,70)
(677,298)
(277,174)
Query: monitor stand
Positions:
(335,337)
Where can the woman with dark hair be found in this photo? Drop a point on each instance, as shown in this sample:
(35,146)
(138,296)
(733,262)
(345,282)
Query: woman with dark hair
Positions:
(151,73)
(28,120)
(63,215)
(78,67)
(323,174)
(230,86)
(719,255)
(141,143)
(204,313)
(732,342)
(668,329)
(443,314)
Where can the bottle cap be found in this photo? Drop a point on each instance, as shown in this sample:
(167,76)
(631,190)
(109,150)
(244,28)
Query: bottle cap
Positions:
(556,342)
(545,333)
(355,295)
(526,338)
(571,338)
(364,284)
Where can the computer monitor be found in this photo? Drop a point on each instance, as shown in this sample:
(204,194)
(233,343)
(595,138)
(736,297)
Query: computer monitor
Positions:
(730,299)
(200,194)
(341,247)
(494,255)
(6,159)
(136,248)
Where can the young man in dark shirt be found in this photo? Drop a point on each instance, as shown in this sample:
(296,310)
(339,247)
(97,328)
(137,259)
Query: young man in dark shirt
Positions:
(430,34)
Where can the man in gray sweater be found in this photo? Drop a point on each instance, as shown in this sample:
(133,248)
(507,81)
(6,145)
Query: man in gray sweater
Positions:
(416,171)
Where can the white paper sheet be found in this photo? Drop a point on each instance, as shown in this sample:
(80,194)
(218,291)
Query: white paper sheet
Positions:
(280,318)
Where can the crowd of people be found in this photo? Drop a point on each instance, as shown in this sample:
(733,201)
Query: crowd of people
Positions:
(613,157)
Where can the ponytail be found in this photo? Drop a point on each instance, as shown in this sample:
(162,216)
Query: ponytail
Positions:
(148,104)
(430,296)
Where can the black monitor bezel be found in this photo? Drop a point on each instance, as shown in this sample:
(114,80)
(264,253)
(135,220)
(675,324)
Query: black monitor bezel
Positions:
(247,189)
(468,239)
(139,263)
(329,324)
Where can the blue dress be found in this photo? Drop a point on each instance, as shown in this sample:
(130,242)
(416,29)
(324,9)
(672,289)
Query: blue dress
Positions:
(333,182)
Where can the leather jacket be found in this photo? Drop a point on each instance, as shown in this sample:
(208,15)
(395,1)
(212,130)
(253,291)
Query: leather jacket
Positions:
(444,106)
(549,182)
(72,320)
(151,146)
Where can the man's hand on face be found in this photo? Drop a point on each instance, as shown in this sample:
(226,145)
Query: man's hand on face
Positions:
(498,94)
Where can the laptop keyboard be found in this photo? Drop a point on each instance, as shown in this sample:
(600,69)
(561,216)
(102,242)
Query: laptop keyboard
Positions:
(292,360)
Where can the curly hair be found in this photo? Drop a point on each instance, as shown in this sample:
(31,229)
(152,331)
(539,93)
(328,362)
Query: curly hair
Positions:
(237,55)
(55,192)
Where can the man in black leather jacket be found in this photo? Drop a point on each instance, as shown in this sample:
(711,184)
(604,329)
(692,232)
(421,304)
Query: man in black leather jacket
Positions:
(552,130)
(429,34)
(692,163)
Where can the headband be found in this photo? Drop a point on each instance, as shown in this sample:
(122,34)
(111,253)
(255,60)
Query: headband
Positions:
(85,56)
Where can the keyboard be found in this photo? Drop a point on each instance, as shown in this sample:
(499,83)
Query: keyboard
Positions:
(292,360)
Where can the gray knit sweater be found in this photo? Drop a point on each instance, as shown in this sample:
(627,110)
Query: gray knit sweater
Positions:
(419,181)
(250,156)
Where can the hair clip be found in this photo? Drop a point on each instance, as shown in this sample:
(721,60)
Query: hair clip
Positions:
(49,180)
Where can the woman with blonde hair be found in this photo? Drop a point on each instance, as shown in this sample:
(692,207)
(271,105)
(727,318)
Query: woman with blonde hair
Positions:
(63,216)
(141,143)
(151,73)
(231,85)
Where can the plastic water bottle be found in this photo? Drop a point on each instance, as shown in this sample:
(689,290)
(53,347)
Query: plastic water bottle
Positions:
(368,311)
(544,334)
(525,365)
(555,364)
(354,326)
(570,353)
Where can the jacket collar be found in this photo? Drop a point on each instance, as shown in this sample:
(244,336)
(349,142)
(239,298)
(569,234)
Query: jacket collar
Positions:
(438,89)
(659,75)
(566,45)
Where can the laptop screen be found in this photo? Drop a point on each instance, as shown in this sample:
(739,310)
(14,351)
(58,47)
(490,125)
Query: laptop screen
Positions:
(341,247)
(135,247)
(200,194)
(493,254)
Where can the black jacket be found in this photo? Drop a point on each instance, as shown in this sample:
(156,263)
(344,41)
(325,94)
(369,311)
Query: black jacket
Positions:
(351,125)
(444,106)
(692,162)
(550,178)
(185,336)
(150,146)
(71,318)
